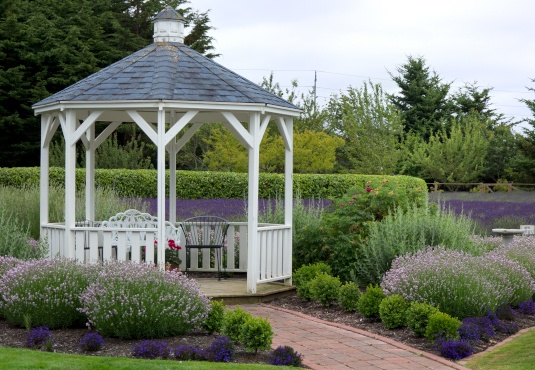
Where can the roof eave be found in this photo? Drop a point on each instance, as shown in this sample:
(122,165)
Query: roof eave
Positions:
(166,104)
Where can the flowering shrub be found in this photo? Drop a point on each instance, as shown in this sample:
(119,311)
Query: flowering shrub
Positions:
(150,349)
(476,328)
(455,349)
(14,237)
(136,301)
(407,231)
(38,336)
(92,341)
(221,349)
(46,291)
(171,253)
(480,283)
(6,264)
(527,307)
(519,250)
(285,356)
(186,352)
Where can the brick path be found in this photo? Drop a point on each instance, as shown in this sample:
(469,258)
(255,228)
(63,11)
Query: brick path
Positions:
(332,346)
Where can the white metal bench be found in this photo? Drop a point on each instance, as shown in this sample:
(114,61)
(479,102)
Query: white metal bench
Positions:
(134,219)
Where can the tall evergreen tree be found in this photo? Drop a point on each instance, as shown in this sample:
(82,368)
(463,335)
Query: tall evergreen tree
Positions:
(47,45)
(423,99)
(524,163)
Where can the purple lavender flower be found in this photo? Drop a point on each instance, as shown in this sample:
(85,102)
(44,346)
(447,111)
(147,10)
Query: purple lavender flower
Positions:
(92,341)
(527,307)
(150,349)
(455,349)
(38,336)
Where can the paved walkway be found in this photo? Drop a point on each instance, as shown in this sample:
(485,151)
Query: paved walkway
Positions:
(332,346)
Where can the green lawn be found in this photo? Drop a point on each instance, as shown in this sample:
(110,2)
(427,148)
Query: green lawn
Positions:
(12,358)
(517,354)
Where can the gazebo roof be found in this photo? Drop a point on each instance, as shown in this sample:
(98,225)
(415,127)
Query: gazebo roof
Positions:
(166,71)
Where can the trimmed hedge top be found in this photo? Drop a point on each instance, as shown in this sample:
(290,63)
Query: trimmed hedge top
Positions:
(216,185)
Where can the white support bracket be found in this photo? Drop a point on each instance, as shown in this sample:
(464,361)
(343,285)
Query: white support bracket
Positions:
(237,130)
(147,128)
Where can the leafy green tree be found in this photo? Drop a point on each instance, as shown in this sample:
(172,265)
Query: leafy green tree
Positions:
(457,156)
(423,99)
(523,165)
(370,126)
(226,153)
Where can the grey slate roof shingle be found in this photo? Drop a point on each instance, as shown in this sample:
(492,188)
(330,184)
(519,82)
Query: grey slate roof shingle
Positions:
(166,71)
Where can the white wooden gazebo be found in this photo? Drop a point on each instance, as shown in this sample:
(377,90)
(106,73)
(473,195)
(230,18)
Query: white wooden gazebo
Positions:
(169,91)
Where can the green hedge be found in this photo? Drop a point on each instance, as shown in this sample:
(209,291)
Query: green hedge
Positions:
(213,185)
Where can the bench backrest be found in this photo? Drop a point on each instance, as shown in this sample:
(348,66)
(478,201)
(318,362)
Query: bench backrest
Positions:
(205,231)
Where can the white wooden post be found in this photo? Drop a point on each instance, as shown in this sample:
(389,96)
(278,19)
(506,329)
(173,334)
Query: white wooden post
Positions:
(172,174)
(253,263)
(45,172)
(161,189)
(288,199)
(90,175)
(70,183)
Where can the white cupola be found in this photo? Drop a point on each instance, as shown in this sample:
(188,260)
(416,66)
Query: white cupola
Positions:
(168,26)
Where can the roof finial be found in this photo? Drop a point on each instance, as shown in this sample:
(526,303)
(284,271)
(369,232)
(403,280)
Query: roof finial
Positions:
(168,26)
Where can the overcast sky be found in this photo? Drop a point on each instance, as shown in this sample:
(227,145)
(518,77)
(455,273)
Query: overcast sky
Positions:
(347,42)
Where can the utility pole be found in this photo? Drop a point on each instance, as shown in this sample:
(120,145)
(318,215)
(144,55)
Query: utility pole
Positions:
(315,83)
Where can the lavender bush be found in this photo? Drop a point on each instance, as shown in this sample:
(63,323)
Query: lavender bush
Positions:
(476,328)
(527,307)
(138,301)
(185,352)
(221,349)
(455,349)
(457,283)
(520,250)
(285,356)
(46,291)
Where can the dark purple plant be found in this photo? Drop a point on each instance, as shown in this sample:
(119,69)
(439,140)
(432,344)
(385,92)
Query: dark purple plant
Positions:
(185,352)
(505,312)
(92,341)
(285,356)
(476,328)
(455,349)
(507,327)
(221,349)
(150,349)
(527,307)
(38,336)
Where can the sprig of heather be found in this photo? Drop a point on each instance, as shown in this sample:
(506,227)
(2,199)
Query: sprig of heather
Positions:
(45,291)
(457,283)
(138,301)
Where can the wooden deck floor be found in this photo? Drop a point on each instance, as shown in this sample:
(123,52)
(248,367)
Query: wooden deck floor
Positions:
(234,291)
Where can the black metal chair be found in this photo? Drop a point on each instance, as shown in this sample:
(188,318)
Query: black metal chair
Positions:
(205,232)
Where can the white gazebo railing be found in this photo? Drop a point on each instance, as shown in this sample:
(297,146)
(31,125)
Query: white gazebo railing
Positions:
(95,243)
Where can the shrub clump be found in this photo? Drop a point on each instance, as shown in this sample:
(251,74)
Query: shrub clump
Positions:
(349,296)
(150,349)
(137,301)
(527,307)
(325,289)
(285,356)
(45,291)
(233,323)
(392,311)
(480,283)
(216,315)
(91,342)
(186,352)
(256,334)
(221,349)
(476,328)
(305,274)
(455,349)
(38,337)
(442,326)
(417,317)
(370,300)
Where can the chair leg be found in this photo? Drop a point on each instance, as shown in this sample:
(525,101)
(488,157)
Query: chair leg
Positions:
(218,260)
